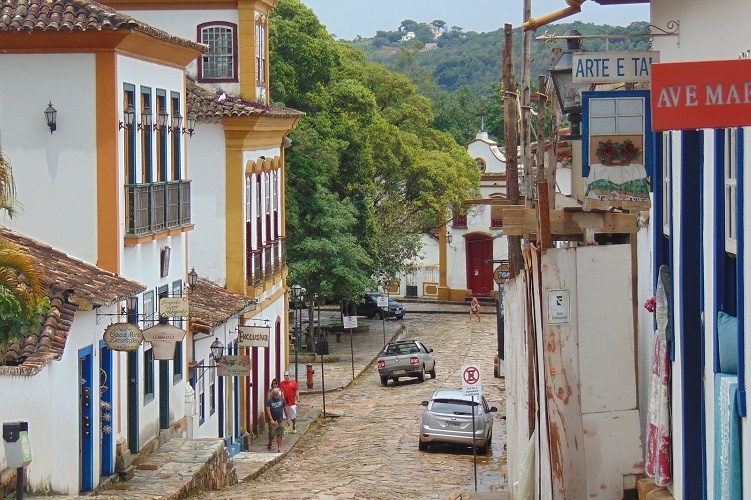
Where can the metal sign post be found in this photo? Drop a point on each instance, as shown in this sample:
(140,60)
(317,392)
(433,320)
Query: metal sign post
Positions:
(500,275)
(383,305)
(472,386)
(351,322)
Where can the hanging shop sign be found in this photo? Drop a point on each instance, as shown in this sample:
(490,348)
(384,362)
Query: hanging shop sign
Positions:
(233,366)
(173,307)
(163,340)
(123,337)
(613,67)
(253,336)
(701,94)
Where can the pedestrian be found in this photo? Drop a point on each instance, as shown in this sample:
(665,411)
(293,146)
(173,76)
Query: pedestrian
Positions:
(276,410)
(474,308)
(272,434)
(291,392)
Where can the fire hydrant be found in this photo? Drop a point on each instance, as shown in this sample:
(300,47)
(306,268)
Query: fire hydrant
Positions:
(311,371)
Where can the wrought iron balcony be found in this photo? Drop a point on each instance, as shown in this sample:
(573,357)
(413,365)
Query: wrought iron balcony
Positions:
(156,207)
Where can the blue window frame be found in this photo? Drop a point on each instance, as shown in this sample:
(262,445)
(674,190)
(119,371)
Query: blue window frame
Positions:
(148,375)
(728,242)
(617,113)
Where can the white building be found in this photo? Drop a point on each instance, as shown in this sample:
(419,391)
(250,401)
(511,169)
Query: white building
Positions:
(109,191)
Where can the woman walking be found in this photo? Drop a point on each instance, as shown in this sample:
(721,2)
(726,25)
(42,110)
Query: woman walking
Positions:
(474,308)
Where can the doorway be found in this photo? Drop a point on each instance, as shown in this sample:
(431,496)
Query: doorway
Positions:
(86,418)
(106,388)
(480,264)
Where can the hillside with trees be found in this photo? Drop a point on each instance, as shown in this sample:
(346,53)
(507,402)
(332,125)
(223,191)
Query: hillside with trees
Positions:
(461,71)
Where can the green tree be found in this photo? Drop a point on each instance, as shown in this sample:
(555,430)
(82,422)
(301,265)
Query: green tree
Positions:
(366,153)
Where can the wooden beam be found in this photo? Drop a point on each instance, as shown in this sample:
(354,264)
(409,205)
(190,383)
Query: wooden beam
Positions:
(518,220)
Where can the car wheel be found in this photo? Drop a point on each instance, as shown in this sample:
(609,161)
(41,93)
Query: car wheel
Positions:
(384,380)
(482,450)
(490,440)
(378,315)
(422,446)
(400,317)
(396,379)
(432,372)
(421,376)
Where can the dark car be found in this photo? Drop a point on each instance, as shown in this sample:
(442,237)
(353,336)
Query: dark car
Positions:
(370,307)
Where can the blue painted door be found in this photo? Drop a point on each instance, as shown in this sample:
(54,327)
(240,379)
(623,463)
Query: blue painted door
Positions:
(86,423)
(107,423)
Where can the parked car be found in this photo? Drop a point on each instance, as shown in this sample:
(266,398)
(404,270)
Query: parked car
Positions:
(370,307)
(405,358)
(447,418)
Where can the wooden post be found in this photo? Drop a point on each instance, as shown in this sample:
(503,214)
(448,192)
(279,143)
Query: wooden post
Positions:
(510,134)
(526,125)
(543,217)
(542,104)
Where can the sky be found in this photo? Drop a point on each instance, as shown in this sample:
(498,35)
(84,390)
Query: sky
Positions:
(348,18)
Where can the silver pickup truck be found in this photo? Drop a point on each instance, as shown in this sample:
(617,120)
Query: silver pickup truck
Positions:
(406,358)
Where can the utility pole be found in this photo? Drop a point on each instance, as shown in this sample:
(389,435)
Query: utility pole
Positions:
(553,151)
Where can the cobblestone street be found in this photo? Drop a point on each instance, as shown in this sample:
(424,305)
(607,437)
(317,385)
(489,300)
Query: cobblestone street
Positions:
(366,447)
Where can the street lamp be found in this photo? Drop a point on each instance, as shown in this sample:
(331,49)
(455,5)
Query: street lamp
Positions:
(217,349)
(297,292)
(568,92)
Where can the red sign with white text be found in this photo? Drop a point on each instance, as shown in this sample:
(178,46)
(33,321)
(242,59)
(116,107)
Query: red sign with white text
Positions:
(701,94)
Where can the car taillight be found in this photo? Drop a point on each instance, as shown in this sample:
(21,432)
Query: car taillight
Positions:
(479,410)
(381,364)
(414,360)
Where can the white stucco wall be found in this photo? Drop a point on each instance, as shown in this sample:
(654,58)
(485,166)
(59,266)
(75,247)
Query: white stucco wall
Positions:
(54,173)
(184,23)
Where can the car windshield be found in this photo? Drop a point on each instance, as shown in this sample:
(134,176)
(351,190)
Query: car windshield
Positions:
(452,406)
(396,349)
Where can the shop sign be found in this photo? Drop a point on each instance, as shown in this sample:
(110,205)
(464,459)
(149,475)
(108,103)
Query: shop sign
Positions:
(253,336)
(613,67)
(701,94)
(233,366)
(173,307)
(123,337)
(163,340)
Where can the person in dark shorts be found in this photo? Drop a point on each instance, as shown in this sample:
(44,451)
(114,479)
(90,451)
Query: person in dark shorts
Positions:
(277,413)
(272,433)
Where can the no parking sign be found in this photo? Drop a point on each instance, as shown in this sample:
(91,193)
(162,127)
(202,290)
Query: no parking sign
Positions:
(471,381)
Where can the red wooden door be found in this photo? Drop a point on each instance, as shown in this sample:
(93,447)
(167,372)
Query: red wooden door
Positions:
(480,265)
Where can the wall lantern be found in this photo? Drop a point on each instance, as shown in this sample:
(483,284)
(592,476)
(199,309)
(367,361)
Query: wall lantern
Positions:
(50,114)
(129,116)
(192,278)
(449,237)
(147,119)
(191,125)
(568,92)
(177,122)
(161,119)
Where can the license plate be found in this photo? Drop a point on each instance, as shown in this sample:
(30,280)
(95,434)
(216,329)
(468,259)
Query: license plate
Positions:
(452,424)
(399,372)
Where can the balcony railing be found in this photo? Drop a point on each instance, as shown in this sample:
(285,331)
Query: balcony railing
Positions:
(157,206)
(266,262)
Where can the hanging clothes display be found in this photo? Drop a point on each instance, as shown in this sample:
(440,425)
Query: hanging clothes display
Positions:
(659,451)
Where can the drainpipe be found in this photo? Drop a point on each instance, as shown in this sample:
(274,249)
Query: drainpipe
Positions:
(573,8)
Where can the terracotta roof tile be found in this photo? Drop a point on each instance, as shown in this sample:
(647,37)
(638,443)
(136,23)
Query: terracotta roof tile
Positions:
(75,15)
(212,107)
(212,305)
(64,276)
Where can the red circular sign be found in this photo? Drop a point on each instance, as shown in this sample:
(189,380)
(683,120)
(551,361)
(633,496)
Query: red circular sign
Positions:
(471,375)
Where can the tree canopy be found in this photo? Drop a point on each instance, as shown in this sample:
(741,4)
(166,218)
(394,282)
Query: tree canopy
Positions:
(368,173)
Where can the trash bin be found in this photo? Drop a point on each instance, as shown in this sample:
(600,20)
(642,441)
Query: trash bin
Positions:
(322,347)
